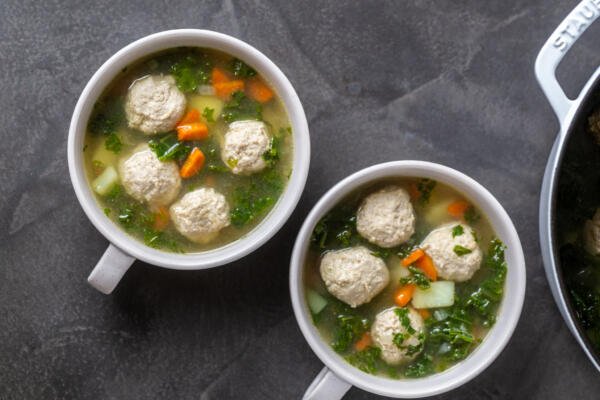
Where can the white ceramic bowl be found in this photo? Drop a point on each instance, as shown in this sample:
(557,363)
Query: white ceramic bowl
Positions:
(124,248)
(338,375)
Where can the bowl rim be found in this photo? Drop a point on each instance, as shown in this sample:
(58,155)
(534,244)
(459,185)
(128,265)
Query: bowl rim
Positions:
(149,45)
(508,313)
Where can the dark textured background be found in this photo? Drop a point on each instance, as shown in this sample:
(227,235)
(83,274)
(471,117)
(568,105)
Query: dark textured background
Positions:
(445,81)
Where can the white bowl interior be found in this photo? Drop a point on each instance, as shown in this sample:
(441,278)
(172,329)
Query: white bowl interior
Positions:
(194,38)
(508,313)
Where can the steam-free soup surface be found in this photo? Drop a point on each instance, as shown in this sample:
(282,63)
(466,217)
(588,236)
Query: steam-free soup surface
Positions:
(459,314)
(209,93)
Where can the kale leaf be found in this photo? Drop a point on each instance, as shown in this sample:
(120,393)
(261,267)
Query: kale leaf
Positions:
(190,72)
(169,148)
(241,69)
(241,107)
(252,199)
(113,143)
(417,277)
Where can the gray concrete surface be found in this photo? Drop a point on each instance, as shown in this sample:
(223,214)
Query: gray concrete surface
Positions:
(444,81)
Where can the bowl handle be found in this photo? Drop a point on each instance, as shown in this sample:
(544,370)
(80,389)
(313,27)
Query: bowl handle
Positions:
(326,386)
(555,48)
(110,269)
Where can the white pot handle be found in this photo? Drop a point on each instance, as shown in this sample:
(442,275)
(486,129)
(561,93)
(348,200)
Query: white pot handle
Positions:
(326,386)
(110,269)
(555,48)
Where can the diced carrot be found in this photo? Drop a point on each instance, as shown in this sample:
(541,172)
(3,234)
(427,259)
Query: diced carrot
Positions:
(364,342)
(414,192)
(424,313)
(193,164)
(458,208)
(219,76)
(404,294)
(192,131)
(225,89)
(413,257)
(425,263)
(258,90)
(161,219)
(192,116)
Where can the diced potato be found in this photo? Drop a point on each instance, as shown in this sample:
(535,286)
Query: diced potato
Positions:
(104,156)
(105,181)
(440,294)
(315,301)
(200,102)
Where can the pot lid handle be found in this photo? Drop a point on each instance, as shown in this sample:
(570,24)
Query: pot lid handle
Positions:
(555,48)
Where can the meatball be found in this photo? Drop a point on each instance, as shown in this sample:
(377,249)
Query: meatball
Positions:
(399,333)
(591,234)
(154,104)
(454,252)
(386,218)
(354,275)
(244,145)
(149,180)
(200,214)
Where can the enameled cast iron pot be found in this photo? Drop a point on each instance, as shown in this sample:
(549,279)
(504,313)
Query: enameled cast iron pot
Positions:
(572,115)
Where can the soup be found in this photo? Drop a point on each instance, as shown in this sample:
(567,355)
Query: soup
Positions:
(404,277)
(188,149)
(577,225)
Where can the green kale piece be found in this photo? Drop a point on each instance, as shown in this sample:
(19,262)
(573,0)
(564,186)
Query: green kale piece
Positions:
(113,143)
(169,148)
(241,70)
(240,107)
(190,72)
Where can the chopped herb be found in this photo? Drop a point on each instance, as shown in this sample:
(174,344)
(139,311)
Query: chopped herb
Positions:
(349,328)
(208,114)
(135,218)
(107,211)
(402,314)
(457,230)
(425,187)
(420,367)
(254,198)
(461,250)
(241,69)
(417,277)
(367,360)
(107,117)
(381,253)
(271,156)
(169,148)
(85,147)
(399,339)
(487,295)
(240,107)
(190,72)
(113,143)
(232,162)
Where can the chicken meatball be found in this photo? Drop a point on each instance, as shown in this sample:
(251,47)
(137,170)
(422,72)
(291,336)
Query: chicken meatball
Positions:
(399,333)
(386,218)
(149,180)
(154,104)
(244,145)
(591,234)
(354,275)
(454,251)
(200,214)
